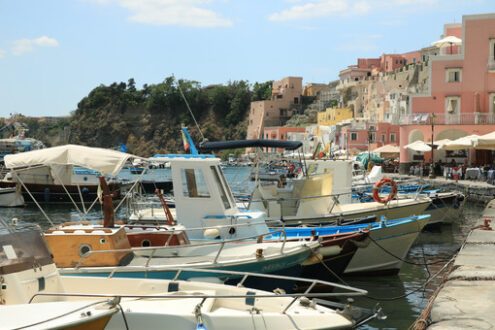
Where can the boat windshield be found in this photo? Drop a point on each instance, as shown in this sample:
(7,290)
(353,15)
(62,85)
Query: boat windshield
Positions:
(21,248)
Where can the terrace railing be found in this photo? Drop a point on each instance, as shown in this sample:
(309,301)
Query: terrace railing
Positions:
(475,118)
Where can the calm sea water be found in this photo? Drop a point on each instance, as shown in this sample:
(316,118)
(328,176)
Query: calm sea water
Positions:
(402,312)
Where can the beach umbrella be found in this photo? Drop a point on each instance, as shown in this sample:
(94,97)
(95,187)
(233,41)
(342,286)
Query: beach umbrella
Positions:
(447,41)
(418,146)
(465,142)
(486,142)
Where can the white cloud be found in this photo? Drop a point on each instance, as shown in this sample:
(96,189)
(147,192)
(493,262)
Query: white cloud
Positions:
(2,53)
(44,41)
(308,9)
(22,46)
(171,12)
(311,9)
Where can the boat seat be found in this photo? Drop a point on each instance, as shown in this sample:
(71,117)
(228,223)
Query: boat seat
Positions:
(58,232)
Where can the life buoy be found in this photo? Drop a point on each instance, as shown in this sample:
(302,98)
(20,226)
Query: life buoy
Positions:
(393,190)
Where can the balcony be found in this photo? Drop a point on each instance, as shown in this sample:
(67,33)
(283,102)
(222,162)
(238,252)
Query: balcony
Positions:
(476,118)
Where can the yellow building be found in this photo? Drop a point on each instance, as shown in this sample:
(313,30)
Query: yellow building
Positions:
(333,116)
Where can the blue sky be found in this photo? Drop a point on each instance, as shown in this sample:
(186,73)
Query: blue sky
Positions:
(54,52)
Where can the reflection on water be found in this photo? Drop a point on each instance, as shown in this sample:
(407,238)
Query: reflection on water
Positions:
(433,246)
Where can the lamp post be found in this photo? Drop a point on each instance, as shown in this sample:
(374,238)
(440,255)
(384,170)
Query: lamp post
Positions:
(370,137)
(432,163)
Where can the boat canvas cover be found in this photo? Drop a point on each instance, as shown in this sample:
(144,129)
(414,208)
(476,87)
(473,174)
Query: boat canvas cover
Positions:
(105,161)
(234,144)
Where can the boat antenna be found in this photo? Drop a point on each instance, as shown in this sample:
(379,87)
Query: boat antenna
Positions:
(190,111)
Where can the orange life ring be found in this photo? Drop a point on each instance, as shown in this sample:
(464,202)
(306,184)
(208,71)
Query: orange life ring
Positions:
(393,190)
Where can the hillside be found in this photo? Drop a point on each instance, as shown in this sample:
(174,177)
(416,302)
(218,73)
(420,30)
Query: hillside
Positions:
(148,120)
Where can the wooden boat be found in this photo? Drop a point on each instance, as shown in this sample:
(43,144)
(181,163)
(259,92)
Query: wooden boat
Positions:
(35,296)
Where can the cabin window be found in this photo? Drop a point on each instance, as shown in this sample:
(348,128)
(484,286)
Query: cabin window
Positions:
(194,184)
(223,194)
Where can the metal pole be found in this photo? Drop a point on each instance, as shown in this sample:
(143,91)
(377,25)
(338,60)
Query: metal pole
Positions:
(432,162)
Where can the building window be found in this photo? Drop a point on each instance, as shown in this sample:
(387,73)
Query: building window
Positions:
(453,104)
(296,100)
(267,136)
(279,96)
(454,75)
(392,137)
(354,136)
(383,137)
(281,136)
(386,65)
(373,137)
(372,128)
(414,59)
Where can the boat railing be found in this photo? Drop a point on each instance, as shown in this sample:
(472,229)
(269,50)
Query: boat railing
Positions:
(309,283)
(222,243)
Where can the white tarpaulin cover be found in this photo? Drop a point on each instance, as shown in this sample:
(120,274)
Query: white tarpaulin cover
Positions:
(105,161)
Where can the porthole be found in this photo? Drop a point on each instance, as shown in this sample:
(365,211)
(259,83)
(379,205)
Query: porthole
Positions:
(83,249)
(103,241)
(145,243)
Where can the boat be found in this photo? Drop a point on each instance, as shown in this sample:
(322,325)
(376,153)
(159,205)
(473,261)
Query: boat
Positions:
(35,296)
(56,183)
(11,197)
(321,193)
(309,200)
(71,242)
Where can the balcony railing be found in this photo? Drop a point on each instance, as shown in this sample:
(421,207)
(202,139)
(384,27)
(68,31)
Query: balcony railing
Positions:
(449,119)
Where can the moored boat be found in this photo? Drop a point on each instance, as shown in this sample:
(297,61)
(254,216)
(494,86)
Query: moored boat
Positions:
(35,296)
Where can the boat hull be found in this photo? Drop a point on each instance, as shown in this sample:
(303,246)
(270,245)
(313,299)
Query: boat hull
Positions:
(358,211)
(397,240)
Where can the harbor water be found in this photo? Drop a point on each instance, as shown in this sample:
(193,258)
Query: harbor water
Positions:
(402,297)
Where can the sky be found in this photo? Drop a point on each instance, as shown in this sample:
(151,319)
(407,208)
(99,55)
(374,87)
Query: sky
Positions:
(54,52)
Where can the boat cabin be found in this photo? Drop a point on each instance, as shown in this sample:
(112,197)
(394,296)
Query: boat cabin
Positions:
(203,199)
(26,265)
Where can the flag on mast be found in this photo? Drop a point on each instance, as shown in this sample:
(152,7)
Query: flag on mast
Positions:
(184,140)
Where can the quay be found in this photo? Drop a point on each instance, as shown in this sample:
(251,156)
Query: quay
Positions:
(466,299)
(475,191)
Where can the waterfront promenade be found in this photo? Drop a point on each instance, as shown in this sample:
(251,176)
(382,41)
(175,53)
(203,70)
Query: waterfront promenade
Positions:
(467,297)
(475,191)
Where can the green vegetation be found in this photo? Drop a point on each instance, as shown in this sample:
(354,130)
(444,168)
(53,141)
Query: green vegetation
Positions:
(148,120)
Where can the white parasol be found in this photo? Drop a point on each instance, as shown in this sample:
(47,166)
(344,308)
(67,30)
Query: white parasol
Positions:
(418,146)
(465,142)
(447,41)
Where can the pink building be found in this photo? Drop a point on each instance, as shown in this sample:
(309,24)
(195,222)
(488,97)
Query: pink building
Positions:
(461,92)
(280,133)
(367,67)
(357,136)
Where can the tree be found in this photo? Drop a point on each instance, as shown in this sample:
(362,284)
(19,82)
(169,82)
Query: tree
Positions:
(262,91)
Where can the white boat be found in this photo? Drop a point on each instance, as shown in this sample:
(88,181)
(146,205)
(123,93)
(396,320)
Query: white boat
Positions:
(311,199)
(35,296)
(390,243)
